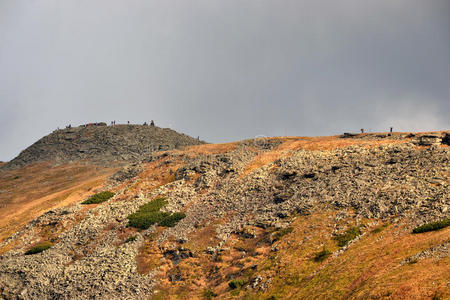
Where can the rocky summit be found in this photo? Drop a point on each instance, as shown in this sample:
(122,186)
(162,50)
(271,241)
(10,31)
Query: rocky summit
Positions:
(101,143)
(345,217)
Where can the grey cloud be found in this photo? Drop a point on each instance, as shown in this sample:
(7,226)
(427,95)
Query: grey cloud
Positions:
(224,70)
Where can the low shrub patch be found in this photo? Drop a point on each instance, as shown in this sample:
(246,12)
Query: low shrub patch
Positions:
(172,219)
(154,205)
(349,235)
(145,220)
(276,236)
(149,214)
(99,198)
(39,248)
(209,294)
(432,226)
(235,284)
(380,228)
(322,255)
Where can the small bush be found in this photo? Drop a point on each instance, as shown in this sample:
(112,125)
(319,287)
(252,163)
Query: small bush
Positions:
(39,248)
(380,228)
(99,198)
(349,235)
(209,294)
(235,284)
(432,226)
(131,239)
(149,214)
(322,255)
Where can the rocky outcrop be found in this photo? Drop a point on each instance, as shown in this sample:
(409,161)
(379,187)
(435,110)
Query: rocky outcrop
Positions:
(377,183)
(102,144)
(428,140)
(86,262)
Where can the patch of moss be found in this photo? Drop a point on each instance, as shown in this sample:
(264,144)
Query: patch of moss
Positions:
(347,236)
(39,248)
(432,226)
(99,198)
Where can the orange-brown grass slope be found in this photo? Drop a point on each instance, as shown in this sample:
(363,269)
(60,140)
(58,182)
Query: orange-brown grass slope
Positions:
(153,175)
(28,192)
(208,149)
(369,269)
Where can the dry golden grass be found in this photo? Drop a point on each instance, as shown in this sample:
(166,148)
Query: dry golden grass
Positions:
(208,149)
(32,190)
(154,175)
(202,238)
(369,268)
(262,159)
(201,273)
(149,257)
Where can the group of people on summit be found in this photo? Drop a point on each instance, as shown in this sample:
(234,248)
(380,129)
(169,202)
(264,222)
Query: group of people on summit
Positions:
(152,123)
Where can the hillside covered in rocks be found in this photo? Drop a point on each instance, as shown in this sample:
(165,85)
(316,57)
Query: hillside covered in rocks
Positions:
(270,218)
(102,144)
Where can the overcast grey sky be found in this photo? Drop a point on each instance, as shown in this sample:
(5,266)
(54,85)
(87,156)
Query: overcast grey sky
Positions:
(223,70)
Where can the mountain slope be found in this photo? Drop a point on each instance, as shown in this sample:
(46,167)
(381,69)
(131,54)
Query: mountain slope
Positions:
(277,218)
(28,192)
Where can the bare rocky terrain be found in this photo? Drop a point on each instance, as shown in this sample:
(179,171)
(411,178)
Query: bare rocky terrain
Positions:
(244,204)
(102,144)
